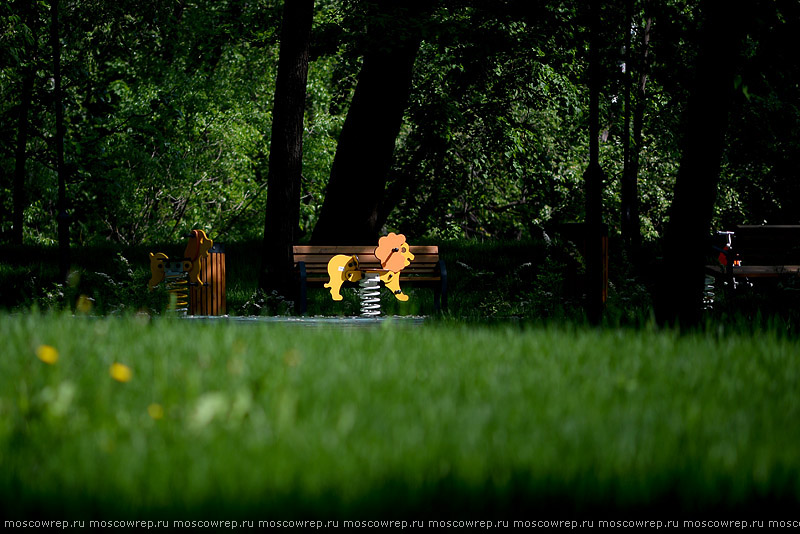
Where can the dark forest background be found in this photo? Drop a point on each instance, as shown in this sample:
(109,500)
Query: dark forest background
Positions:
(336,120)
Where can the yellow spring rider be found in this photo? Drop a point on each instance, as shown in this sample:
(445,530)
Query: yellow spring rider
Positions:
(392,253)
(180,273)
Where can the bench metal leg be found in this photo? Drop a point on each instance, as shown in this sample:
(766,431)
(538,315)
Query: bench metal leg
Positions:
(301,306)
(440,291)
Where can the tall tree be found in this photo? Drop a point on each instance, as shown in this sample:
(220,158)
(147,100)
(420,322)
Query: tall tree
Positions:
(680,295)
(351,211)
(26,97)
(594,177)
(628,188)
(634,113)
(286,147)
(61,171)
(632,172)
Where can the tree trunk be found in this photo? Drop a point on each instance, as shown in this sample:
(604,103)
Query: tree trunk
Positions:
(350,213)
(286,148)
(20,200)
(631,231)
(593,177)
(634,238)
(681,284)
(628,188)
(61,171)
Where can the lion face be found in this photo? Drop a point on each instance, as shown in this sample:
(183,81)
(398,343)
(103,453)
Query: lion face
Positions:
(393,252)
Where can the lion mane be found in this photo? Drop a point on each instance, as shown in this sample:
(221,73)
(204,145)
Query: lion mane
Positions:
(393,252)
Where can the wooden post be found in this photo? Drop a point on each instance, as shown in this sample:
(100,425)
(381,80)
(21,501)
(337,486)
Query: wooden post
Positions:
(209,298)
(586,240)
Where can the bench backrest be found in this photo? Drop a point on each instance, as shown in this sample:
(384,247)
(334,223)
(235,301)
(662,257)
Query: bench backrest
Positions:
(316,258)
(768,244)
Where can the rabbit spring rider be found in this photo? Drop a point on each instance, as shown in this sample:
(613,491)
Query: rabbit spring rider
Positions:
(179,274)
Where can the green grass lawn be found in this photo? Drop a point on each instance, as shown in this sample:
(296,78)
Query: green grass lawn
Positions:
(224,419)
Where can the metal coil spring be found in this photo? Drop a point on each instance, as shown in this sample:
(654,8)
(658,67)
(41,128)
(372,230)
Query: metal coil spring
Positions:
(178,288)
(370,294)
(708,293)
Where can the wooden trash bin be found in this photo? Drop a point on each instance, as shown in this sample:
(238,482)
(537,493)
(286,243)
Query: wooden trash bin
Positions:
(209,298)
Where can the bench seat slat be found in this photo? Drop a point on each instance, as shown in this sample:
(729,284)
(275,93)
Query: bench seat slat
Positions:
(323,267)
(357,249)
(316,258)
(362,260)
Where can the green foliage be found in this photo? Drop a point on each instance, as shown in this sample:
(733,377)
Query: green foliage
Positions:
(759,179)
(183,144)
(168,116)
(495,137)
(323,126)
(103,281)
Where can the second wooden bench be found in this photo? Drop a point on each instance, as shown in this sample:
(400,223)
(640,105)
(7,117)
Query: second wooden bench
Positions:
(752,251)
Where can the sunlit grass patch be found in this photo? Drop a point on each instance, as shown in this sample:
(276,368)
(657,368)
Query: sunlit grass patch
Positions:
(217,417)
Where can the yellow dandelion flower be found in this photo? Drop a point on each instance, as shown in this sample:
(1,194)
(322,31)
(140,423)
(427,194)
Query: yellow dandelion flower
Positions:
(156,411)
(47,353)
(120,372)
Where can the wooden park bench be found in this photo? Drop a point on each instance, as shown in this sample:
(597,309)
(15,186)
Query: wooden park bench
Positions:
(427,269)
(753,252)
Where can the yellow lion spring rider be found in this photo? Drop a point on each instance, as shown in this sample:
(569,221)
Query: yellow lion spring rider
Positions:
(179,274)
(393,255)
